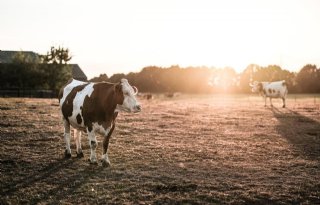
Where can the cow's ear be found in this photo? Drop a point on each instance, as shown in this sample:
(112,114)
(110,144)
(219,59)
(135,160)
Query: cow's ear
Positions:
(118,88)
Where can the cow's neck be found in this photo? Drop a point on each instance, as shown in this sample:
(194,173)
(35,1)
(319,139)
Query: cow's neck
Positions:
(110,105)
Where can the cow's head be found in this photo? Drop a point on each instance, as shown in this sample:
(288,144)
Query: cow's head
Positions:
(256,87)
(127,93)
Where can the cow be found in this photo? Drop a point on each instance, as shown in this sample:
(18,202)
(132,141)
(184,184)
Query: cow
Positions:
(277,89)
(92,108)
(147,96)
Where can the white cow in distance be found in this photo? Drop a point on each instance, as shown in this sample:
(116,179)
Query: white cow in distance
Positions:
(277,89)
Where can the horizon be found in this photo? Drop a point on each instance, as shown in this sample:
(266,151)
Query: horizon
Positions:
(122,37)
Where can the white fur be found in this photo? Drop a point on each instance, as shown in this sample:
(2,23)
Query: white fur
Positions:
(77,138)
(69,88)
(101,130)
(105,158)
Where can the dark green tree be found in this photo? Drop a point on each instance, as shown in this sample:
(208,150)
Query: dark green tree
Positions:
(55,67)
(26,71)
(101,78)
(308,79)
(246,77)
(117,77)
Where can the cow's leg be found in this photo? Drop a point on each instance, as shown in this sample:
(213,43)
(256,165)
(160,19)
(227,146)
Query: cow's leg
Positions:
(271,102)
(66,124)
(77,138)
(284,102)
(265,101)
(93,145)
(105,159)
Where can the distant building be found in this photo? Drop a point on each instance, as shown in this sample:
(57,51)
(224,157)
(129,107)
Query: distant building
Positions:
(8,56)
(77,73)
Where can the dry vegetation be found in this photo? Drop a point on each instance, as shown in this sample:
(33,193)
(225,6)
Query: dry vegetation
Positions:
(185,150)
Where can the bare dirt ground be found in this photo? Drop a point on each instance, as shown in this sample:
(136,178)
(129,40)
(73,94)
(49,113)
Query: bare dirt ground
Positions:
(185,150)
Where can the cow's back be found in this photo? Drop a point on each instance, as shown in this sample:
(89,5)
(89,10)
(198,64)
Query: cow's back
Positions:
(66,90)
(275,89)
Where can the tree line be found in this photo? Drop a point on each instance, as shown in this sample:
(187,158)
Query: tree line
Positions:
(217,80)
(51,71)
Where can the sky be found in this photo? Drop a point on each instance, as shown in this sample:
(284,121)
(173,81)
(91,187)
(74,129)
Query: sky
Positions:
(124,36)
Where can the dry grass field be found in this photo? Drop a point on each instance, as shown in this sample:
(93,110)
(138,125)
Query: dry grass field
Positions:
(185,150)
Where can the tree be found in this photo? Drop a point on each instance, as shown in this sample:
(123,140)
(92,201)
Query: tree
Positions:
(26,70)
(101,78)
(58,55)
(224,80)
(213,80)
(55,67)
(308,79)
(246,77)
(117,77)
(63,55)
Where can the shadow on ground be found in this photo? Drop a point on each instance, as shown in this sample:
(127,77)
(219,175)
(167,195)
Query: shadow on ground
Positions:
(301,131)
(56,187)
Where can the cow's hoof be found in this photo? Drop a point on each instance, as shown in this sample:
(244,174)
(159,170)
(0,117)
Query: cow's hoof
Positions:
(80,155)
(284,106)
(93,162)
(105,163)
(67,155)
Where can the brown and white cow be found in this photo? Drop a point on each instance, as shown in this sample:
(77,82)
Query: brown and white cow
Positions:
(277,89)
(93,108)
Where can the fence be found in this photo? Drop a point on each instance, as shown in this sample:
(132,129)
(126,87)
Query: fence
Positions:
(28,93)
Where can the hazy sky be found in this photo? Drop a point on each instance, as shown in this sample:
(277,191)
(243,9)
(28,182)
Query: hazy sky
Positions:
(127,35)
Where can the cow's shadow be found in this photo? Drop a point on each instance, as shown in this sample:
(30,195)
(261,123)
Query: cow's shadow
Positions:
(60,188)
(33,178)
(302,132)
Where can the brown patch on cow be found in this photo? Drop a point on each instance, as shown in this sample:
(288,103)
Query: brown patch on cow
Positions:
(107,138)
(79,119)
(269,90)
(119,94)
(264,91)
(273,90)
(100,106)
(67,106)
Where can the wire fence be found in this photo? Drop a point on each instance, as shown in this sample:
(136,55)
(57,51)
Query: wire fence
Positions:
(28,93)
